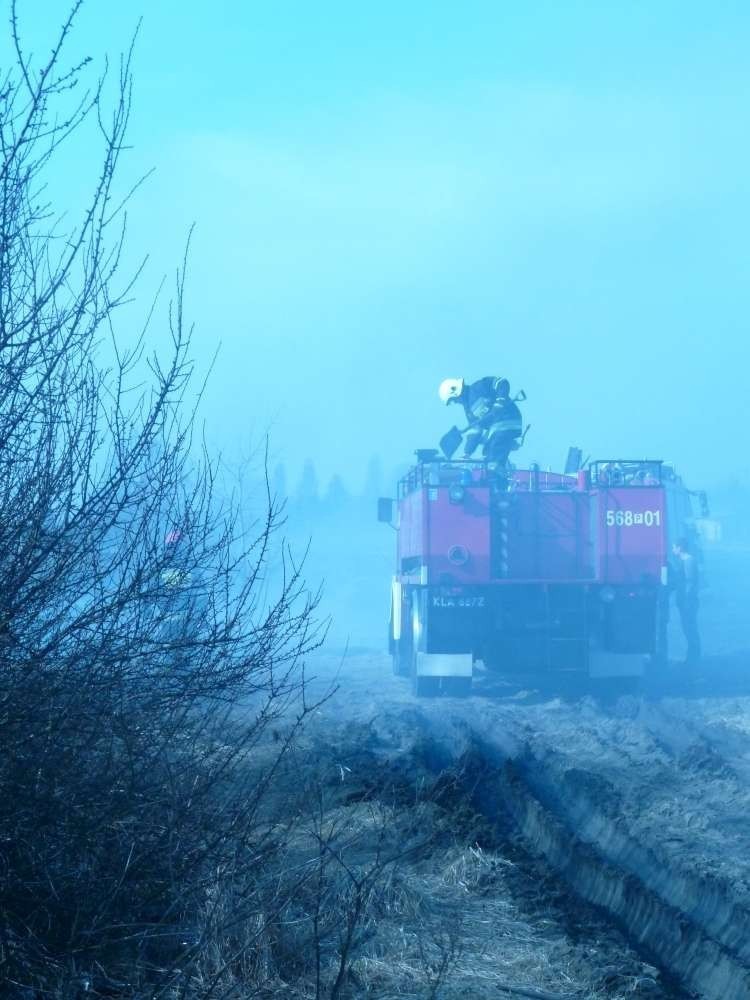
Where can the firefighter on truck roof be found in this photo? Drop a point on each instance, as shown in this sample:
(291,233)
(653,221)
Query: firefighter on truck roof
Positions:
(493,418)
(686,587)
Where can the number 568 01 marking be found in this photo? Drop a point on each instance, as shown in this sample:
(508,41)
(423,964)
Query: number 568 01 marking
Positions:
(631,518)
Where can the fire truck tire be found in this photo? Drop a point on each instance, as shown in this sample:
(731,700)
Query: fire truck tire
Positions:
(422,687)
(399,663)
(425,687)
(611,688)
(402,649)
(441,687)
(456,687)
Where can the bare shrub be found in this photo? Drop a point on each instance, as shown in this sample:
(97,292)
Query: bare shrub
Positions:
(160,836)
(353,918)
(140,669)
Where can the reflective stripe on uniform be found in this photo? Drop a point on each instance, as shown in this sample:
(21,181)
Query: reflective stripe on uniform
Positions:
(506,427)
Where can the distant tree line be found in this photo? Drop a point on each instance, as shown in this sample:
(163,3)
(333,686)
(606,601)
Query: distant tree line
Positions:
(310,494)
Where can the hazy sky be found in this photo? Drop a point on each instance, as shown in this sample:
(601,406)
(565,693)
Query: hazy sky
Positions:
(387,194)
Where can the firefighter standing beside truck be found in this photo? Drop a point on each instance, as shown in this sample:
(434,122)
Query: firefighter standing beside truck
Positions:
(181,598)
(493,418)
(686,585)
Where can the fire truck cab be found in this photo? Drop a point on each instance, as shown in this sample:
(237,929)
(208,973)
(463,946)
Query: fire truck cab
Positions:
(529,570)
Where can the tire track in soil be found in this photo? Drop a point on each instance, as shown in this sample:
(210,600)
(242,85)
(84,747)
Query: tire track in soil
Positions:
(542,884)
(597,960)
(639,808)
(670,933)
(688,923)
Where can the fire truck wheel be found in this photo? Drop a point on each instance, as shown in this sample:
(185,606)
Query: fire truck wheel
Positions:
(425,687)
(441,687)
(402,649)
(400,662)
(612,688)
(456,687)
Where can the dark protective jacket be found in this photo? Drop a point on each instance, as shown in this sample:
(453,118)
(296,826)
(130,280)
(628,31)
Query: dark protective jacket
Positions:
(493,418)
(686,581)
(478,399)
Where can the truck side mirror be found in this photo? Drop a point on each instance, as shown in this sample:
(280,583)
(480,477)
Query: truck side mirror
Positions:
(385,510)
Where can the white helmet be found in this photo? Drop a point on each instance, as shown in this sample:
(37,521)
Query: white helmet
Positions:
(450,388)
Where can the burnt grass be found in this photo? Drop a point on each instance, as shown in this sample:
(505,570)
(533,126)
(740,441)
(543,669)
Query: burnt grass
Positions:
(422,787)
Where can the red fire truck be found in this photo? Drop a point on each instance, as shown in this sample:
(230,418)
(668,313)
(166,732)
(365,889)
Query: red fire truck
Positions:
(531,570)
